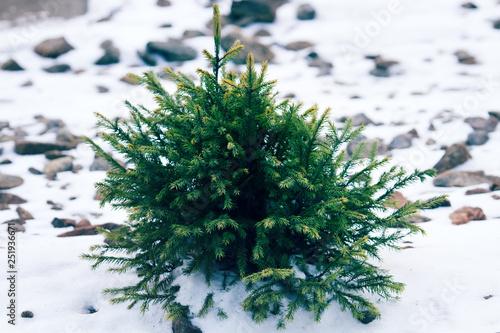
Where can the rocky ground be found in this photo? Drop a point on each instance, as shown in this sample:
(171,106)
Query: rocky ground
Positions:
(423,77)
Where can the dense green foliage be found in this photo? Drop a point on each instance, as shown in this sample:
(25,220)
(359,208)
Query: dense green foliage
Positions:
(224,181)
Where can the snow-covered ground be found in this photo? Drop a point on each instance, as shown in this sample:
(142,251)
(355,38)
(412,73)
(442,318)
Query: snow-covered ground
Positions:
(448,272)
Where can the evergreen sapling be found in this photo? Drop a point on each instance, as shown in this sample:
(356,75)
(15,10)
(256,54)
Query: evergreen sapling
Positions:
(224,181)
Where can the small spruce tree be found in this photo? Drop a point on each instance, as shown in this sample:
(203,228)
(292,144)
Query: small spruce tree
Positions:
(224,181)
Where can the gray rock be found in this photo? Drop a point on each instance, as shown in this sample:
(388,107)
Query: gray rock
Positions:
(99,164)
(477,191)
(8,199)
(102,89)
(495,184)
(163,3)
(8,182)
(27,314)
(455,155)
(401,141)
(61,68)
(13,9)
(147,57)
(58,165)
(50,124)
(53,154)
(34,148)
(90,230)
(173,50)
(463,178)
(53,48)
(306,12)
(35,171)
(495,114)
(11,65)
(63,223)
(24,214)
(297,46)
(469,5)
(478,123)
(465,58)
(381,147)
(316,61)
(368,317)
(262,33)
(65,137)
(477,138)
(496,24)
(192,34)
(383,67)
(18,227)
(249,11)
(184,325)
(260,52)
(4,124)
(358,120)
(418,219)
(111,54)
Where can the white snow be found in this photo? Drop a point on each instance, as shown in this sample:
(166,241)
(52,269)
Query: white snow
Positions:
(448,272)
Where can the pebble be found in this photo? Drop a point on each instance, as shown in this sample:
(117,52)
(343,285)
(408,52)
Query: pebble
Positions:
(8,181)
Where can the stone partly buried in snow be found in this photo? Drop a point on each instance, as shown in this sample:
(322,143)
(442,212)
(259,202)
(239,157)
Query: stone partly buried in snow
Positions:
(496,24)
(61,68)
(383,67)
(479,123)
(89,230)
(397,200)
(63,223)
(306,12)
(260,52)
(403,141)
(467,214)
(53,167)
(477,191)
(249,11)
(65,137)
(454,155)
(314,60)
(173,50)
(8,182)
(24,214)
(477,138)
(184,325)
(34,148)
(381,147)
(16,224)
(53,48)
(10,199)
(358,120)
(11,65)
(111,54)
(465,58)
(463,178)
(33,14)
(297,46)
